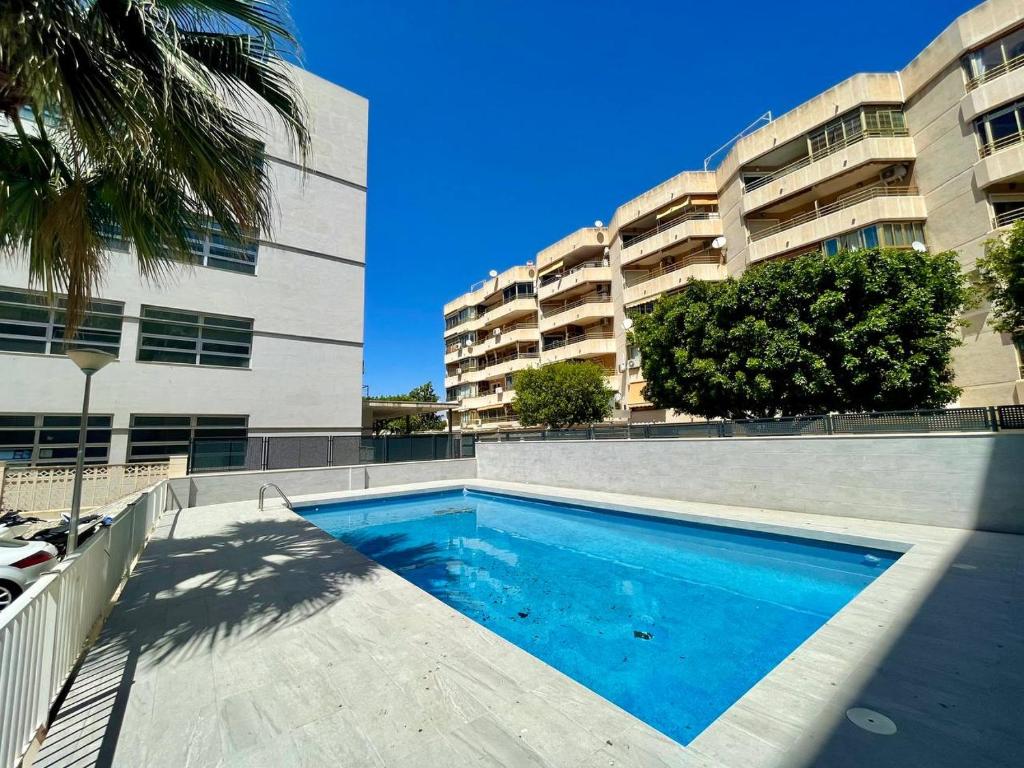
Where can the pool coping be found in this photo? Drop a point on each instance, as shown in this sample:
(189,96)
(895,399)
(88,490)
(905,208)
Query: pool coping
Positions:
(788,714)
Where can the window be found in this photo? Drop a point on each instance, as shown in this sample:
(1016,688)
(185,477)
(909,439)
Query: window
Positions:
(888,235)
(1007,210)
(213,248)
(52,438)
(460,317)
(29,323)
(154,438)
(517,291)
(845,130)
(996,58)
(1000,128)
(192,338)
(640,309)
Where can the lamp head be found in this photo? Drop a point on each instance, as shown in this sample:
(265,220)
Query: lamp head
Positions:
(90,360)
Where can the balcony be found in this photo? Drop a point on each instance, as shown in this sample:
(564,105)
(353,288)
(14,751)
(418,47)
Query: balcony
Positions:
(995,72)
(1008,218)
(580,312)
(703,265)
(857,209)
(507,365)
(882,147)
(513,333)
(1002,161)
(581,346)
(703,224)
(578,279)
(508,310)
(490,400)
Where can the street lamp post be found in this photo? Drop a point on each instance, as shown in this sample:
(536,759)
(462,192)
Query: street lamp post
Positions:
(90,361)
(627,326)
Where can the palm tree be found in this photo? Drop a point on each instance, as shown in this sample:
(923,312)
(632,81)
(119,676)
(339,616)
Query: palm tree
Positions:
(137,119)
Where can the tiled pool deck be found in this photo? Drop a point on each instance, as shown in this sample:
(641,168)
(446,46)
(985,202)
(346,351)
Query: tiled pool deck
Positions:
(249,638)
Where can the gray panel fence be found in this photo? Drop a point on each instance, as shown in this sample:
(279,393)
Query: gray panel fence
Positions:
(298,451)
(980,419)
(290,452)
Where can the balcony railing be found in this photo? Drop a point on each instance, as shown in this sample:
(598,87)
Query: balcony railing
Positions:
(508,359)
(495,307)
(1007,218)
(860,196)
(554,276)
(803,162)
(578,303)
(630,240)
(991,147)
(997,71)
(706,256)
(565,342)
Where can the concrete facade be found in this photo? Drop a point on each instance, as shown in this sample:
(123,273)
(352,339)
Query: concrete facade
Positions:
(919,155)
(305,302)
(962,481)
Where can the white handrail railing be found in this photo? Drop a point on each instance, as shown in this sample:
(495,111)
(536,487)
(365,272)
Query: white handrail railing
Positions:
(43,633)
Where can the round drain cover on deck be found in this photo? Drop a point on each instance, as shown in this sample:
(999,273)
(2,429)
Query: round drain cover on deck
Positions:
(872,721)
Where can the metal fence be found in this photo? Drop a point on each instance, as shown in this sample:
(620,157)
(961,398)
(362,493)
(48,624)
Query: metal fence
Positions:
(43,633)
(295,452)
(982,419)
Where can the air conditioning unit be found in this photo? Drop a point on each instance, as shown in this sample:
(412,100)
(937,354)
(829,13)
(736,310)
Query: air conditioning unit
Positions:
(498,390)
(895,173)
(622,367)
(496,332)
(633,362)
(458,371)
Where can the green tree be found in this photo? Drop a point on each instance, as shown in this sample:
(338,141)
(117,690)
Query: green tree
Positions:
(1001,280)
(137,120)
(421,422)
(862,330)
(561,395)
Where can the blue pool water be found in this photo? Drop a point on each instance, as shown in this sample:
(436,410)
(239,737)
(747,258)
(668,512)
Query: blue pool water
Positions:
(671,621)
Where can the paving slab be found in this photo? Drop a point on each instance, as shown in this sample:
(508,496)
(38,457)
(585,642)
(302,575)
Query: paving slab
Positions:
(251,638)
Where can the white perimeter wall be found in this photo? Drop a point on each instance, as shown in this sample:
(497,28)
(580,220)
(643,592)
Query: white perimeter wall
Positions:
(961,481)
(200,490)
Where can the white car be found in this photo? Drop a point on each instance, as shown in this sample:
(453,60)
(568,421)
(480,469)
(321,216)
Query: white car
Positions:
(21,563)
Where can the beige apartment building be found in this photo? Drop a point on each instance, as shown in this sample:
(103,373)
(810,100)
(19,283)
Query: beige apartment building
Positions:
(931,155)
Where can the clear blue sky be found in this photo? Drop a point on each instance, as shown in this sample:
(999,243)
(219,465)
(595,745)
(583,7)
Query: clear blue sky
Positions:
(498,127)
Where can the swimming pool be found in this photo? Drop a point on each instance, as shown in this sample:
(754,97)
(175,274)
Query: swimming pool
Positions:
(672,621)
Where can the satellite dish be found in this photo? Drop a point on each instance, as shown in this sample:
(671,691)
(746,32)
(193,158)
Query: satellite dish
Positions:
(718,243)
(493,273)
(598,223)
(627,323)
(918,246)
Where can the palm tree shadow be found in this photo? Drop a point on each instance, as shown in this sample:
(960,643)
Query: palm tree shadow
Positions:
(189,597)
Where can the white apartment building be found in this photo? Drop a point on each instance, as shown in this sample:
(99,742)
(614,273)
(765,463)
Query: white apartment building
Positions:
(932,154)
(256,339)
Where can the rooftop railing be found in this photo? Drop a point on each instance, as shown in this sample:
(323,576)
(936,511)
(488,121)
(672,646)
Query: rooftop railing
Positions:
(706,256)
(575,304)
(998,71)
(868,193)
(832,149)
(631,240)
